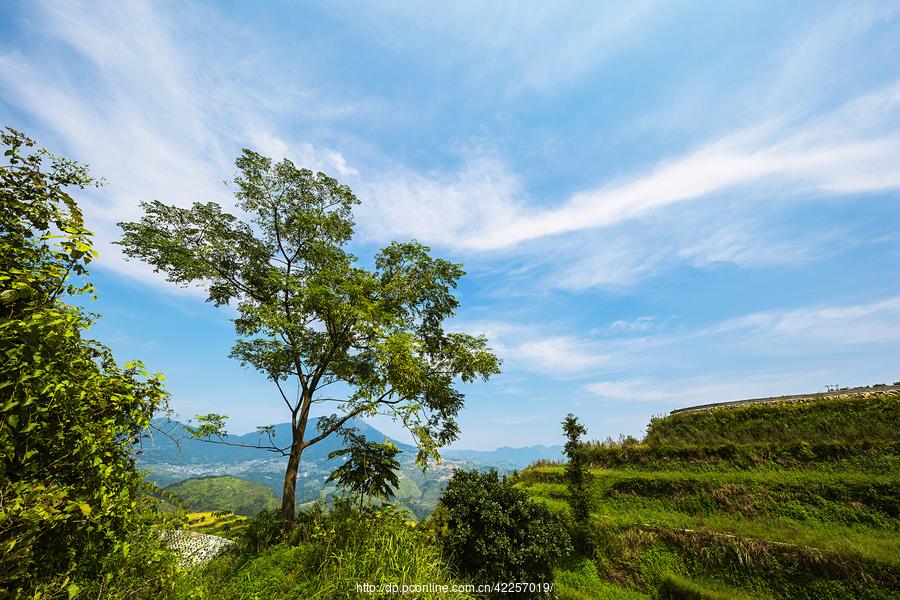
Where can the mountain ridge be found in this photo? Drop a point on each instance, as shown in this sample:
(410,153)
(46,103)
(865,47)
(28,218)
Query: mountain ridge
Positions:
(192,451)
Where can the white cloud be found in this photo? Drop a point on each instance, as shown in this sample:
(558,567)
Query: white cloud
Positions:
(707,389)
(157,115)
(557,354)
(528,348)
(518,46)
(640,324)
(852,150)
(437,208)
(824,343)
(812,327)
(162,118)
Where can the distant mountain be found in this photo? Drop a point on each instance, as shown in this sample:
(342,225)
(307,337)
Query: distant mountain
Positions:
(163,449)
(167,462)
(517,458)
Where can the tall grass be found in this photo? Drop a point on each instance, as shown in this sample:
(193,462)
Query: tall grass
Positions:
(845,419)
(798,500)
(327,556)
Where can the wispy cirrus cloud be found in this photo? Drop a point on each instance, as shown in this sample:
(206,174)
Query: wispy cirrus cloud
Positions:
(820,334)
(530,348)
(815,326)
(850,150)
(524,46)
(708,389)
(152,111)
(827,337)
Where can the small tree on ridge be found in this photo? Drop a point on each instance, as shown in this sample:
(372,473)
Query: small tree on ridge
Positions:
(577,478)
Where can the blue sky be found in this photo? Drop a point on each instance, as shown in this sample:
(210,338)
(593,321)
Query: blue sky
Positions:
(657,204)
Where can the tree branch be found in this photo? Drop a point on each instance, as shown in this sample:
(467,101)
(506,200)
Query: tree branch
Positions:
(271,448)
(333,428)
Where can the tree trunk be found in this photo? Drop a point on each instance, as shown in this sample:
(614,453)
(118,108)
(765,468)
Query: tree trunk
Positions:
(289,493)
(298,432)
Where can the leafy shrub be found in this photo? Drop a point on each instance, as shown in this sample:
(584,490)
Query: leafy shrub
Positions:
(147,569)
(370,469)
(264,530)
(69,415)
(494,533)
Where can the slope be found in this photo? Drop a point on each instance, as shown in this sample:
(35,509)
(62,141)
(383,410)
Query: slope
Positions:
(793,499)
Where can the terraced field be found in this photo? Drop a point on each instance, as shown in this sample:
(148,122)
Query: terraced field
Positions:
(776,500)
(224,524)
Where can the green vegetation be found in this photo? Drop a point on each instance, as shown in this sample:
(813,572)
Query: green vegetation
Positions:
(871,416)
(577,579)
(796,499)
(326,555)
(578,482)
(69,414)
(309,314)
(728,517)
(494,533)
(370,469)
(224,493)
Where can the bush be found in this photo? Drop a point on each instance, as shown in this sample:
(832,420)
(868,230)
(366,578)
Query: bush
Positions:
(264,530)
(494,533)
(69,414)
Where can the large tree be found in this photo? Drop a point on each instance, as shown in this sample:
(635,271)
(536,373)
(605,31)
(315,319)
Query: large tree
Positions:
(307,314)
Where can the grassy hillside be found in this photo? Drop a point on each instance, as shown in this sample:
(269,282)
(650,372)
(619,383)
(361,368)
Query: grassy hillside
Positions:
(869,416)
(798,500)
(224,494)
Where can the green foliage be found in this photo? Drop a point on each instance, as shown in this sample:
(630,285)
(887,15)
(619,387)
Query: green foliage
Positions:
(747,510)
(69,415)
(370,469)
(578,579)
(263,531)
(306,312)
(675,587)
(224,493)
(328,555)
(873,416)
(147,569)
(878,455)
(578,481)
(494,533)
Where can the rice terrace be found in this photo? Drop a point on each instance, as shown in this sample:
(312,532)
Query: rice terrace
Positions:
(563,300)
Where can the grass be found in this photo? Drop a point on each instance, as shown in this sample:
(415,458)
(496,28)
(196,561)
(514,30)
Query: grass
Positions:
(578,579)
(871,416)
(224,493)
(327,557)
(841,512)
(675,586)
(798,500)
